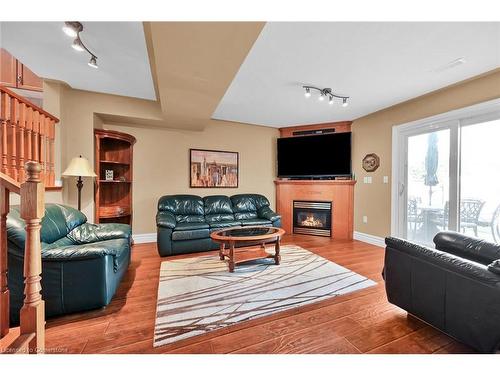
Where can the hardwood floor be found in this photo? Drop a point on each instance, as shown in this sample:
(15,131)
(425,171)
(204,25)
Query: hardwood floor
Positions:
(359,322)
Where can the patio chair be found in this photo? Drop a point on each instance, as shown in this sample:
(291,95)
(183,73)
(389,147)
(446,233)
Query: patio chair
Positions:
(495,225)
(470,209)
(414,217)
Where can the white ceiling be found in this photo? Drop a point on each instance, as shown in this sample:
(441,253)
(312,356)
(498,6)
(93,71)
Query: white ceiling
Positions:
(376,64)
(120,47)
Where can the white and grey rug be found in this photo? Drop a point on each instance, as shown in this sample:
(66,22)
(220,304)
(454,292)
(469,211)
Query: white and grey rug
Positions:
(198,295)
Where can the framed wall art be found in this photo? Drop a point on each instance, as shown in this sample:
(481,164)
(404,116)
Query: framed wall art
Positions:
(213,169)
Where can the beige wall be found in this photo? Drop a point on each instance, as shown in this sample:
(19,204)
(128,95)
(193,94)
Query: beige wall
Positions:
(161,163)
(373,133)
(161,155)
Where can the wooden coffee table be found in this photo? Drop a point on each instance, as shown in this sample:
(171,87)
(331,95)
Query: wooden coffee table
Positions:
(243,237)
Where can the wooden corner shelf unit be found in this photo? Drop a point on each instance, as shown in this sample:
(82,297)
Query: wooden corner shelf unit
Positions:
(113,198)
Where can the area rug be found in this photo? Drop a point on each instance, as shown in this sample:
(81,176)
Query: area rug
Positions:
(199,295)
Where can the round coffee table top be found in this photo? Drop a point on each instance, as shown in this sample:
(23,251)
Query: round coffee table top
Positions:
(249,233)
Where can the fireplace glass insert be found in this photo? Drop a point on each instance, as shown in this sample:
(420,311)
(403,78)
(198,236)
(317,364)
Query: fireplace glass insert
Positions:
(313,218)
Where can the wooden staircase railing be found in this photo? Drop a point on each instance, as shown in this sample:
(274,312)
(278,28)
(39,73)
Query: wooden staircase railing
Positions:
(32,315)
(27,133)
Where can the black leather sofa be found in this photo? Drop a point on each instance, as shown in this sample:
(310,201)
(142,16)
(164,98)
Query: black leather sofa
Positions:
(455,287)
(82,263)
(184,222)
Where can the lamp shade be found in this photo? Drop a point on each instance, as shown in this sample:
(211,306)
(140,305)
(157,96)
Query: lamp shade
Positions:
(79,166)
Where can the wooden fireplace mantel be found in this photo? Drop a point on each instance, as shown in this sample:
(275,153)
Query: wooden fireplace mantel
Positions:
(339,192)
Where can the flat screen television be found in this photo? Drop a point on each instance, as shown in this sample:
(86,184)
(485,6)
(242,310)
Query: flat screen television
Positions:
(327,155)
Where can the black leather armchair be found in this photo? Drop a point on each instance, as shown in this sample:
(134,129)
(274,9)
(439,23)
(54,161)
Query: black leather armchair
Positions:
(82,263)
(455,287)
(184,222)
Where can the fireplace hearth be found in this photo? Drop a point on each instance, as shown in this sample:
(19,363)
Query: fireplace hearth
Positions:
(314,218)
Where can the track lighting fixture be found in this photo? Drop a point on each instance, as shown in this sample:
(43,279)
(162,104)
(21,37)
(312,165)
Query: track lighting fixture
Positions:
(326,93)
(93,62)
(73,29)
(77,45)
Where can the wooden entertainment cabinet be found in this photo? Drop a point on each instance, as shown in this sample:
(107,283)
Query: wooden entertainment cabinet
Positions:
(339,192)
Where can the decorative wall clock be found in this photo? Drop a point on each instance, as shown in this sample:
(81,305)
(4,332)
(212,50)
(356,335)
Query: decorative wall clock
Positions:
(371,162)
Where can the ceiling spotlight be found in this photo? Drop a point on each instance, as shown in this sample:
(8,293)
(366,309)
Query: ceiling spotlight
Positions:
(93,62)
(77,45)
(72,28)
(326,93)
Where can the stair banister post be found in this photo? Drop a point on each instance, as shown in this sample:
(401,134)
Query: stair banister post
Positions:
(32,316)
(4,286)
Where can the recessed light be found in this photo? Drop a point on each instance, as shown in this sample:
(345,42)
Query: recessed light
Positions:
(450,65)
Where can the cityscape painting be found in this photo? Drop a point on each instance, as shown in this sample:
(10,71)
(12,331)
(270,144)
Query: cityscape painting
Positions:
(217,169)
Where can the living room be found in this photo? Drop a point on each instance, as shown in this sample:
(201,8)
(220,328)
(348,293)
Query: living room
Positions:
(258,187)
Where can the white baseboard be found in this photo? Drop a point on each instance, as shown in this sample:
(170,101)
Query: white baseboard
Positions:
(368,238)
(364,237)
(144,237)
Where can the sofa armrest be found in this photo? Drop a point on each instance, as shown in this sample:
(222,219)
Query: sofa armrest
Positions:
(90,233)
(450,262)
(467,247)
(266,213)
(79,252)
(165,219)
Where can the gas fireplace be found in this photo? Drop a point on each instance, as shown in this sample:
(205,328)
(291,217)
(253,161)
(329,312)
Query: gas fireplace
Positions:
(313,218)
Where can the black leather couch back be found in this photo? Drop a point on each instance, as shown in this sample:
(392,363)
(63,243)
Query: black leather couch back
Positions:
(245,206)
(186,208)
(467,247)
(218,208)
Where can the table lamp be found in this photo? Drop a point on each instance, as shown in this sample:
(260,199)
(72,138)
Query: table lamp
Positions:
(79,167)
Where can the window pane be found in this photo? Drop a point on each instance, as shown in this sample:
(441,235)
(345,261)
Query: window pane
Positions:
(428,185)
(480,181)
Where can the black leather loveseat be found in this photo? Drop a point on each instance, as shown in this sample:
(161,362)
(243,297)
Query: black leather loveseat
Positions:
(82,263)
(455,287)
(184,222)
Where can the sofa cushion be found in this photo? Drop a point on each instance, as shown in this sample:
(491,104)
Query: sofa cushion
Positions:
(191,226)
(190,218)
(217,204)
(218,218)
(57,222)
(165,219)
(244,207)
(225,224)
(182,204)
(182,235)
(88,233)
(257,221)
(243,203)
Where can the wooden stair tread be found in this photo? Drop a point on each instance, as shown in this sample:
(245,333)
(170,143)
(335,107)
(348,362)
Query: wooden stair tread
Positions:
(6,341)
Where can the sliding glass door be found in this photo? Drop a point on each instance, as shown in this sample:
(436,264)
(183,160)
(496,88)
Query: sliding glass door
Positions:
(480,180)
(447,176)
